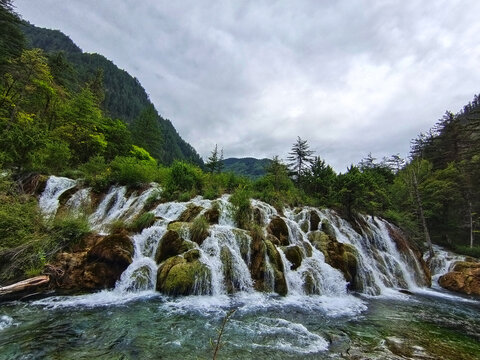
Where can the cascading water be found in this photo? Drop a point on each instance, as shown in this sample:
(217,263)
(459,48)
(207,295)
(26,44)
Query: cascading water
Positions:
(442,263)
(54,188)
(227,251)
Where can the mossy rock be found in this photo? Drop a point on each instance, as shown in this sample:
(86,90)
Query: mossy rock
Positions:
(170,245)
(190,213)
(258,217)
(116,248)
(314,220)
(309,284)
(279,229)
(340,256)
(243,241)
(192,255)
(304,226)
(228,274)
(280,283)
(328,229)
(177,276)
(179,227)
(294,255)
(212,215)
(257,259)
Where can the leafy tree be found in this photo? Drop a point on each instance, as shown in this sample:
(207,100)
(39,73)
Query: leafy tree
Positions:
(320,180)
(12,40)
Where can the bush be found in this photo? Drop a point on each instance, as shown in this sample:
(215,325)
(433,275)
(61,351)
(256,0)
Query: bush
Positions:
(132,172)
(242,209)
(468,251)
(199,229)
(183,178)
(69,230)
(96,173)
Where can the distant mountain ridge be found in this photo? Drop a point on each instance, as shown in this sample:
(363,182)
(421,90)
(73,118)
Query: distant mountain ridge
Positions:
(250,167)
(125,98)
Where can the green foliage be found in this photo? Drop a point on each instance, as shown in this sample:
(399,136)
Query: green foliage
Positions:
(241,207)
(246,167)
(183,178)
(199,229)
(143,221)
(468,251)
(68,230)
(96,173)
(127,170)
(214,163)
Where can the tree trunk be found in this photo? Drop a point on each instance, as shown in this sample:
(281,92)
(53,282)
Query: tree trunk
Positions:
(422,217)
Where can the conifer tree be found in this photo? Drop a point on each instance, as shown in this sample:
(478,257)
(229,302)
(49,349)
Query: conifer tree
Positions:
(299,158)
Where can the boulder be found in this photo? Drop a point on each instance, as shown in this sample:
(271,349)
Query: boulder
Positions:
(314,220)
(212,215)
(178,276)
(171,244)
(257,259)
(100,267)
(279,229)
(294,255)
(465,278)
(338,255)
(280,283)
(115,249)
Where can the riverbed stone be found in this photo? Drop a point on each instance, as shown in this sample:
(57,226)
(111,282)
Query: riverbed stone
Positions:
(465,278)
(190,213)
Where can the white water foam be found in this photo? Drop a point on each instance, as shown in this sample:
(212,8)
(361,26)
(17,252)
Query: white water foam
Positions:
(55,187)
(6,322)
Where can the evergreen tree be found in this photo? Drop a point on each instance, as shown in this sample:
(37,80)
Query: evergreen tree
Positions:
(300,157)
(214,162)
(146,132)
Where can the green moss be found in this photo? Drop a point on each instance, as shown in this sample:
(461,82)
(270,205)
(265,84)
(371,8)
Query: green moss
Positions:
(143,221)
(199,230)
(179,277)
(294,255)
(171,244)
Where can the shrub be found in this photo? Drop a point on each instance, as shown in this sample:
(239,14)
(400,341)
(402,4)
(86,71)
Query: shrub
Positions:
(199,229)
(468,251)
(242,209)
(96,173)
(132,171)
(182,178)
(69,230)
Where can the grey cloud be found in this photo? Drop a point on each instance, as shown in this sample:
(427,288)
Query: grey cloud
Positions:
(352,77)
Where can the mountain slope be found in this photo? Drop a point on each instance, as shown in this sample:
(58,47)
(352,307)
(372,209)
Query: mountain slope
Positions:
(125,98)
(249,167)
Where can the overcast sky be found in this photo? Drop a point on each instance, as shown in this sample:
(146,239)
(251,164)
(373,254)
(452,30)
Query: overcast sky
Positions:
(349,76)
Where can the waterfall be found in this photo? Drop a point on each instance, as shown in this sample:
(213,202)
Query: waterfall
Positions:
(55,187)
(293,265)
(442,263)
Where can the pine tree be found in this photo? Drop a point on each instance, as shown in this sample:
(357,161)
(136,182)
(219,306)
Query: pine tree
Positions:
(215,161)
(299,159)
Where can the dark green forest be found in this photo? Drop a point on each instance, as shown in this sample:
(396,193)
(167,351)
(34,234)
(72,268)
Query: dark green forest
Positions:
(69,113)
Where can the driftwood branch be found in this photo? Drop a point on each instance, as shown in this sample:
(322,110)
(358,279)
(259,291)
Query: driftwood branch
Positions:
(22,288)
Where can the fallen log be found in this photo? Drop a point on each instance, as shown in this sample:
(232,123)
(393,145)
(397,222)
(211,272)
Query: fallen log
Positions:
(23,288)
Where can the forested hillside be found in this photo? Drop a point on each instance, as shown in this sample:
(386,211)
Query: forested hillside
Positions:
(249,167)
(121,95)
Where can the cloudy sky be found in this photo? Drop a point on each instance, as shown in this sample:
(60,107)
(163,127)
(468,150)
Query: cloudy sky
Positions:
(349,76)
